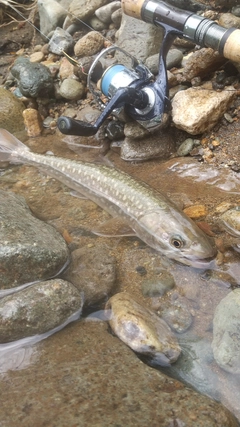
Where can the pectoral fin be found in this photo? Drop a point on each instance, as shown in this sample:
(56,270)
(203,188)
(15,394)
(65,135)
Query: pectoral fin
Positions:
(114,227)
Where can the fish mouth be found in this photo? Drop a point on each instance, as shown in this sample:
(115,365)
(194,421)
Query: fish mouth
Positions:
(207,262)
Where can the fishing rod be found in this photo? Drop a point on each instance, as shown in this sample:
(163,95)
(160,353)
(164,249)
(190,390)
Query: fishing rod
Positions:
(134,88)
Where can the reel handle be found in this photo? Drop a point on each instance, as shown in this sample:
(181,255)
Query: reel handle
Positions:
(134,97)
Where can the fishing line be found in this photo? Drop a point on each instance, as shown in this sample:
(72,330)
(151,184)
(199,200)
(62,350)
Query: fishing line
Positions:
(70,59)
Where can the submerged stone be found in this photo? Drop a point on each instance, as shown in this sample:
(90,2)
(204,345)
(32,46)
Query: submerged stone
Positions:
(92,271)
(142,330)
(226,333)
(11,110)
(30,249)
(37,309)
(84,376)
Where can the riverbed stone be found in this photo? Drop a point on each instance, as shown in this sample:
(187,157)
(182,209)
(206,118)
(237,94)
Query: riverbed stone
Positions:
(93,271)
(60,41)
(37,309)
(201,63)
(197,110)
(30,249)
(11,109)
(158,145)
(142,330)
(228,20)
(85,376)
(226,335)
(138,38)
(231,220)
(80,9)
(72,89)
(104,12)
(89,44)
(33,79)
(51,15)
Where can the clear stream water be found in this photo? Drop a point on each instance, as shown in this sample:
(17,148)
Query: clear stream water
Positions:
(186,182)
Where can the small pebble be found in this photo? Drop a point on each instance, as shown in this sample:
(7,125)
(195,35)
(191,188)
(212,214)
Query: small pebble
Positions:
(195,211)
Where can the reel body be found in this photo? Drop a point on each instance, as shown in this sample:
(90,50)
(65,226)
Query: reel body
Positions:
(126,85)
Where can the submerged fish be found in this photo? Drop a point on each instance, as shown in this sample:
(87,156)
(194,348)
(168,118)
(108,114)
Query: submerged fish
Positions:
(153,217)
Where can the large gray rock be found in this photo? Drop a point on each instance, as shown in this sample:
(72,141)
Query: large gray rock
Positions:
(30,249)
(83,10)
(226,333)
(37,309)
(11,109)
(33,79)
(84,376)
(138,38)
(51,14)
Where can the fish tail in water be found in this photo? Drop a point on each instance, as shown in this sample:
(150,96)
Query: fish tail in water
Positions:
(10,147)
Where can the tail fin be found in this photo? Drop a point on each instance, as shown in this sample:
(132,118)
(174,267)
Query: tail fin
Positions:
(9,147)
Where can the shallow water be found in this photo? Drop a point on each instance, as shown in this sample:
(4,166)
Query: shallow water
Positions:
(184,180)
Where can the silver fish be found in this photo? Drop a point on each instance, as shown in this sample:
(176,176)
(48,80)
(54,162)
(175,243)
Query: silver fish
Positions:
(153,217)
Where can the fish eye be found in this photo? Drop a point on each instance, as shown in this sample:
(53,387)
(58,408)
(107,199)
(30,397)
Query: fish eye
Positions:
(177,242)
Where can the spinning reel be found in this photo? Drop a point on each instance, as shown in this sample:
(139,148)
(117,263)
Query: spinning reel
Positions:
(126,85)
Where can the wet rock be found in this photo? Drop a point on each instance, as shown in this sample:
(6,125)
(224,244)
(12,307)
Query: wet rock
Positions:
(85,373)
(32,121)
(228,20)
(66,69)
(37,57)
(231,221)
(37,309)
(33,79)
(89,44)
(104,12)
(142,330)
(80,9)
(221,278)
(201,63)
(11,110)
(163,283)
(30,249)
(174,58)
(72,89)
(92,271)
(116,18)
(96,24)
(51,15)
(226,338)
(197,110)
(60,40)
(186,147)
(236,11)
(115,130)
(158,145)
(176,311)
(138,38)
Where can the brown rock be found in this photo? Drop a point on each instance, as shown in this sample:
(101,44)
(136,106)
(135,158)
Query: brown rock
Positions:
(89,44)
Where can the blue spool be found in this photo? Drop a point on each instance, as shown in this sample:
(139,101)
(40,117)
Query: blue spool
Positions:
(108,76)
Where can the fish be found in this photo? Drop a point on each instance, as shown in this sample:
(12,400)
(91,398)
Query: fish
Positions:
(153,217)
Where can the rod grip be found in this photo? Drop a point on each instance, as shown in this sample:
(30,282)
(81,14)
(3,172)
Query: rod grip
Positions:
(133,8)
(231,49)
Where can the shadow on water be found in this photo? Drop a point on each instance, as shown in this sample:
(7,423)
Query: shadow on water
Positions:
(182,180)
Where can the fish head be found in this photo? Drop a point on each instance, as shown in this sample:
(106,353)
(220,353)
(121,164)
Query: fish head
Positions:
(178,237)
